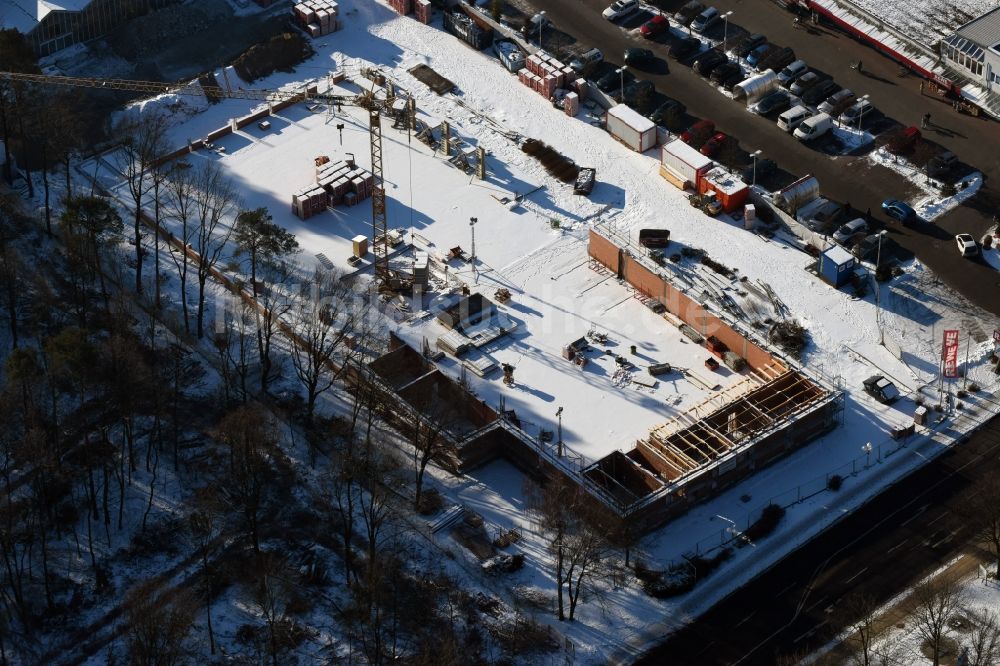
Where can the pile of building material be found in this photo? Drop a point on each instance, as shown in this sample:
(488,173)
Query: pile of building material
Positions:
(510,53)
(336,183)
(404,7)
(544,74)
(423,10)
(318,17)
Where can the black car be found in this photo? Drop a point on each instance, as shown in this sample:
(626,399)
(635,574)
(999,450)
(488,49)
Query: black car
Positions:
(764,168)
(612,81)
(682,48)
(730,82)
(669,109)
(748,44)
(726,71)
(778,60)
(819,92)
(708,61)
(773,102)
(639,58)
(639,95)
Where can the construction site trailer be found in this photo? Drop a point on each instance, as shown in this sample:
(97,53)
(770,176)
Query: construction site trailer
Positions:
(635,131)
(730,190)
(756,86)
(836,265)
(682,165)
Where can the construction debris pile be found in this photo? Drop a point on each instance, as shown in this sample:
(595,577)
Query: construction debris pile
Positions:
(336,182)
(319,17)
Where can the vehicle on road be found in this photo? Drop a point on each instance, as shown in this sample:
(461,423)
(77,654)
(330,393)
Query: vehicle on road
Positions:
(820,92)
(708,61)
(837,102)
(880,388)
(764,169)
(655,26)
(671,109)
(688,13)
(941,164)
(586,59)
(791,71)
(639,58)
(748,44)
(855,113)
(813,127)
(804,83)
(791,118)
(612,81)
(755,57)
(899,211)
(903,140)
(702,127)
(725,71)
(619,9)
(849,230)
(682,48)
(967,245)
(705,20)
(774,102)
(712,147)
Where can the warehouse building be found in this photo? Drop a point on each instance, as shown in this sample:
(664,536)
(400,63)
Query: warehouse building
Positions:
(974,49)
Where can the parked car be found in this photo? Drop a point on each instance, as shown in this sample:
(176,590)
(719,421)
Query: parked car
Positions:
(748,44)
(639,58)
(700,127)
(708,61)
(813,127)
(724,71)
(705,20)
(848,231)
(688,12)
(619,9)
(881,389)
(903,141)
(731,79)
(755,57)
(711,147)
(941,164)
(837,102)
(586,59)
(669,109)
(819,92)
(775,101)
(612,81)
(778,59)
(967,245)
(790,119)
(899,210)
(655,26)
(639,95)
(804,83)
(764,168)
(792,70)
(855,113)
(682,48)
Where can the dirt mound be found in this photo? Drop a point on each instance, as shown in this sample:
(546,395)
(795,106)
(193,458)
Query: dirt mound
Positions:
(558,165)
(280,53)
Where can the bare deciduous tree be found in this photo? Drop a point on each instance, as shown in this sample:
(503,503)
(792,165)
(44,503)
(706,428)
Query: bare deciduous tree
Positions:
(861,609)
(180,186)
(984,514)
(935,602)
(156,625)
(215,201)
(984,640)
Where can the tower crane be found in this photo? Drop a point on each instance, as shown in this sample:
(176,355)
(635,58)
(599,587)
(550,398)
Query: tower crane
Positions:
(367,100)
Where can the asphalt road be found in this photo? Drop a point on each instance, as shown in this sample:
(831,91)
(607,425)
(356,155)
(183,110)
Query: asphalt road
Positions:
(843,178)
(909,530)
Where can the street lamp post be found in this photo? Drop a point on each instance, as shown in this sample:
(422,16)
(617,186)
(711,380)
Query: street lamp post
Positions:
(725,29)
(621,71)
(559,443)
(541,24)
(878,290)
(867,448)
(755,154)
(472,228)
(861,116)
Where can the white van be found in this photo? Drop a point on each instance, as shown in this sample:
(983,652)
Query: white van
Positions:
(705,20)
(814,127)
(790,119)
(789,73)
(586,59)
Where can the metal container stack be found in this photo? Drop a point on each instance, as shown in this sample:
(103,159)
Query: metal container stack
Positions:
(404,7)
(543,74)
(423,10)
(318,17)
(336,183)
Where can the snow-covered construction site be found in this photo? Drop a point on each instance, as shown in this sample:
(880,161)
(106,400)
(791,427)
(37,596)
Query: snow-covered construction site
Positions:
(530,324)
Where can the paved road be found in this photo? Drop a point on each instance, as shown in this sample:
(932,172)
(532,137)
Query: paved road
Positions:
(909,530)
(846,179)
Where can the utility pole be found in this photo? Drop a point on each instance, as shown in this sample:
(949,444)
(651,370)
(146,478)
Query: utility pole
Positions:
(878,291)
(559,442)
(472,228)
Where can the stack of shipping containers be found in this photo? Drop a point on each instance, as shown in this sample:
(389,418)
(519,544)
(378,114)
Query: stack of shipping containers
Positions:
(319,17)
(336,183)
(544,74)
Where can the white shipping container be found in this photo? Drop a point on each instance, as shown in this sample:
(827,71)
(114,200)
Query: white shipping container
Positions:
(684,161)
(635,131)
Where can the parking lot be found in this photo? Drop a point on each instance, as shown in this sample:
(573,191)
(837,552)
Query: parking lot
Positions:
(846,178)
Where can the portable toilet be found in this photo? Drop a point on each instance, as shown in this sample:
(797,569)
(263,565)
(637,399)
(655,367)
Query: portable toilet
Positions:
(836,265)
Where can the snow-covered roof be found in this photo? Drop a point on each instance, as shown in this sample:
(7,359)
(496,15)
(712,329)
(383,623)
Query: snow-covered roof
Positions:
(631,117)
(685,152)
(838,255)
(25,15)
(984,30)
(724,181)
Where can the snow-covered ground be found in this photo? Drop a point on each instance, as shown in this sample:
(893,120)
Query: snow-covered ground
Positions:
(932,205)
(927,20)
(558,296)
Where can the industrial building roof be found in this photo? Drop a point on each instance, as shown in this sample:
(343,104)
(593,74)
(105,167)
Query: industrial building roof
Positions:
(25,15)
(984,30)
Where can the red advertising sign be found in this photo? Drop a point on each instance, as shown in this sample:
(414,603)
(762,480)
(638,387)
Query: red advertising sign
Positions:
(949,353)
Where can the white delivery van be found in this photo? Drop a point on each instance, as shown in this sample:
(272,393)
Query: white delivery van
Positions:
(790,119)
(813,127)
